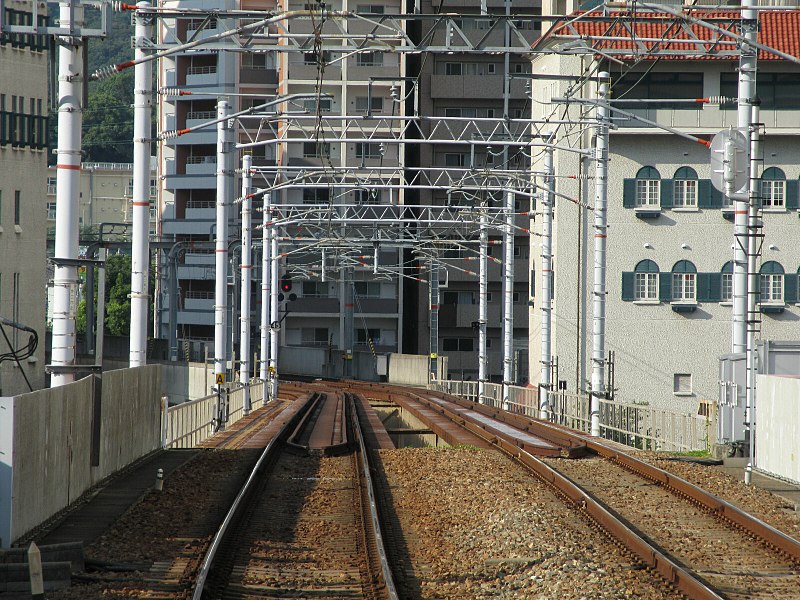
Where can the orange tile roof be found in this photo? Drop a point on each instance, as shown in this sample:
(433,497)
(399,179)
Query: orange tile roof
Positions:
(644,30)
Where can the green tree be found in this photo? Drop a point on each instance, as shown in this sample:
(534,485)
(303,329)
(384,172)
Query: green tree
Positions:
(118,304)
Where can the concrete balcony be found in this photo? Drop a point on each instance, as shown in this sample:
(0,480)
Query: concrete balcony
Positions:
(200,258)
(191,182)
(707,119)
(187,227)
(314,305)
(201,214)
(201,165)
(198,272)
(201,304)
(202,77)
(488,87)
(191,317)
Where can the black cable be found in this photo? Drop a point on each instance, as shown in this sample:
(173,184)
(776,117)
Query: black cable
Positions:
(22,353)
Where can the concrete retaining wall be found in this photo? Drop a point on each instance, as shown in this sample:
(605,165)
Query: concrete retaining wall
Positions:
(778,426)
(46,453)
(412,369)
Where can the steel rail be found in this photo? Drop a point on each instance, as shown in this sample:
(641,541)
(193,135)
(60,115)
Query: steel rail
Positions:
(366,469)
(683,579)
(710,502)
(238,503)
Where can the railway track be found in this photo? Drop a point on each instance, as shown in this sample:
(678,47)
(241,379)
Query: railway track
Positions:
(306,523)
(700,544)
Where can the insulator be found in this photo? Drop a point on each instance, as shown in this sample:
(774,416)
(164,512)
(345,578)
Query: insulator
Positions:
(720,100)
(104,72)
(168,135)
(173,91)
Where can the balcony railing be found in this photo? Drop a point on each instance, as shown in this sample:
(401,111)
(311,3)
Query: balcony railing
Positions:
(203,70)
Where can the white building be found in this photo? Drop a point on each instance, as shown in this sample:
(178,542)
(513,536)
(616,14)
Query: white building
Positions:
(670,234)
(23,168)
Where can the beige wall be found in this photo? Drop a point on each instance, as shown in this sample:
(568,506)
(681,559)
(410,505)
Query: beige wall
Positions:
(23,75)
(48,462)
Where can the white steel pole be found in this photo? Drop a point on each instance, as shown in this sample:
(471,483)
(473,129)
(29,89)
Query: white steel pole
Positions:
(68,166)
(140,242)
(508,296)
(747,93)
(265,295)
(754,227)
(547,197)
(483,296)
(224,176)
(274,314)
(600,229)
(247,271)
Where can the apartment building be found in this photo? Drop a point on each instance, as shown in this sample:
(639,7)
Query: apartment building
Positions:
(340,285)
(23,168)
(670,232)
(331,87)
(463,87)
(105,193)
(188,165)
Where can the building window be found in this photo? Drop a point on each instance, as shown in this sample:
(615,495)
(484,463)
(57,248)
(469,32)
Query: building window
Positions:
(458,345)
(678,85)
(726,282)
(372,334)
(51,211)
(310,58)
(773,188)
(51,186)
(17,207)
(316,150)
(452,69)
(316,196)
(455,159)
(771,276)
(367,289)
(259,62)
(684,188)
(324,104)
(682,384)
(369,59)
(315,289)
(369,104)
(775,90)
(367,150)
(368,196)
(376,9)
(314,336)
(648,188)
(645,283)
(684,282)
(464,113)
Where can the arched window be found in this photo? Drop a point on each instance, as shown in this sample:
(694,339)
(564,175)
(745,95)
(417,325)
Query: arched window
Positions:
(771,275)
(648,188)
(773,188)
(684,282)
(726,278)
(684,188)
(645,285)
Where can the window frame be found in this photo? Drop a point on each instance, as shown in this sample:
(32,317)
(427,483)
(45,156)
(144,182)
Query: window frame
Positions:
(685,186)
(648,189)
(646,279)
(683,288)
(773,190)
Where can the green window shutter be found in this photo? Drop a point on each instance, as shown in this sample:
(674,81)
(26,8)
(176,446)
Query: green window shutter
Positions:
(666,193)
(792,193)
(665,286)
(790,288)
(629,193)
(709,287)
(707,195)
(627,285)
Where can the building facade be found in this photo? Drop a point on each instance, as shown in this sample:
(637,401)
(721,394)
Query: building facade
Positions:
(466,87)
(23,168)
(670,232)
